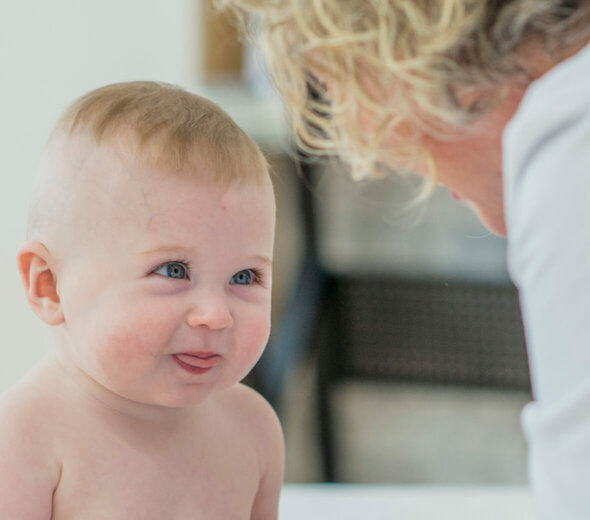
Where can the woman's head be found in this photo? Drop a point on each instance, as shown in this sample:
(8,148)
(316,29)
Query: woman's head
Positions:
(391,81)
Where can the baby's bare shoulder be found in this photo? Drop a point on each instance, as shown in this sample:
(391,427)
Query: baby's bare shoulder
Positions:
(24,408)
(252,415)
(249,409)
(29,471)
(29,413)
(255,417)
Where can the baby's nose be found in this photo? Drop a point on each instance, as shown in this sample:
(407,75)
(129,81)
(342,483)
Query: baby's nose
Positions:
(211,312)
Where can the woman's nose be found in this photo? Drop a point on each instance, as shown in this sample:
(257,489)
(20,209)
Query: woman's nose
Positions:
(211,313)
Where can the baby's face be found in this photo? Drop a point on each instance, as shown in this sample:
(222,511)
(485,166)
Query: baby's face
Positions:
(166,292)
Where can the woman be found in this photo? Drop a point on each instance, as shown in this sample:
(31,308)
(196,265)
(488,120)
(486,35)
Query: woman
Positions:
(490,98)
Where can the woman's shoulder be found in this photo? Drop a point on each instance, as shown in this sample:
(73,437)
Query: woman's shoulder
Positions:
(559,97)
(553,116)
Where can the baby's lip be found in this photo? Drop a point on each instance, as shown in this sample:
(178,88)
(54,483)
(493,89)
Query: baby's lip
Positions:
(199,359)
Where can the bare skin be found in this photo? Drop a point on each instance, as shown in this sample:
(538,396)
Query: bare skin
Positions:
(73,456)
(113,424)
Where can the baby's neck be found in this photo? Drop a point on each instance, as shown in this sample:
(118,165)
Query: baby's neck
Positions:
(105,401)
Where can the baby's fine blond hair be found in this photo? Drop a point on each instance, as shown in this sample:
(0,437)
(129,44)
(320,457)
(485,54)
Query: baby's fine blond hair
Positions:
(158,125)
(404,60)
(170,127)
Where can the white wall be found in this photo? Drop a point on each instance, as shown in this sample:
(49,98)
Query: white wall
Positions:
(52,51)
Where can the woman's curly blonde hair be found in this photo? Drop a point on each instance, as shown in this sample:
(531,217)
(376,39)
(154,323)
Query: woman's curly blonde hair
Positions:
(403,60)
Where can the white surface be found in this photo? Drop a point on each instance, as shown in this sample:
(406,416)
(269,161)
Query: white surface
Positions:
(358,502)
(410,433)
(396,433)
(547,190)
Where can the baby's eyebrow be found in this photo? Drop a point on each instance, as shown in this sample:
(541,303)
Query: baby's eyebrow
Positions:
(165,249)
(263,259)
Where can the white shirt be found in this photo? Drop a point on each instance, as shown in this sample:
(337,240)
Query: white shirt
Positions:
(547,203)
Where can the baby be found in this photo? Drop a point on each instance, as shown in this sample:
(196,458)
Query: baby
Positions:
(149,252)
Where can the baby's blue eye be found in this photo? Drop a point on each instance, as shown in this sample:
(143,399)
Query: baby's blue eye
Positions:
(173,270)
(244,277)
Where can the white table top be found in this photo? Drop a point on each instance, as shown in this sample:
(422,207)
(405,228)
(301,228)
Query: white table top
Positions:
(404,502)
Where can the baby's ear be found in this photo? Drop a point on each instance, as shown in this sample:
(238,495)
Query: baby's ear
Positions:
(35,264)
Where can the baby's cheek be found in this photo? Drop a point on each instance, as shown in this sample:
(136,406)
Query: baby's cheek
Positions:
(253,342)
(131,342)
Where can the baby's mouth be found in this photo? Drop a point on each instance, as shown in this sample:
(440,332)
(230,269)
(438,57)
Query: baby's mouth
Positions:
(197,362)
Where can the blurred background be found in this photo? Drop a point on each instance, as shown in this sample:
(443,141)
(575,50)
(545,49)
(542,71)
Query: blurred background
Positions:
(397,353)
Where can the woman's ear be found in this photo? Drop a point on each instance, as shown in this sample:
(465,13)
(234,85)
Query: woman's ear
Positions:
(35,264)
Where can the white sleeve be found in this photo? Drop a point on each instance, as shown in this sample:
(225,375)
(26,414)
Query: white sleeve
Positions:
(547,202)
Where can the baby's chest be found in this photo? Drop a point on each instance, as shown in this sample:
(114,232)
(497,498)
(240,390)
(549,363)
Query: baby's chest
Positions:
(176,483)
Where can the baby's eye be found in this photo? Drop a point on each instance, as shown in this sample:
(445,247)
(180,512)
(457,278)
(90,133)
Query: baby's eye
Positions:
(245,277)
(175,270)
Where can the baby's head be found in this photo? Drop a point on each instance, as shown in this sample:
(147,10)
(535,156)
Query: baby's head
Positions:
(158,126)
(150,243)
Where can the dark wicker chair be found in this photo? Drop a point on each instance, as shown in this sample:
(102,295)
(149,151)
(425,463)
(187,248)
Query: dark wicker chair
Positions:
(433,332)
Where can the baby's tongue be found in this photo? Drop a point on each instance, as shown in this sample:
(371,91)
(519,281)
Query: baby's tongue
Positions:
(197,361)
